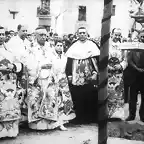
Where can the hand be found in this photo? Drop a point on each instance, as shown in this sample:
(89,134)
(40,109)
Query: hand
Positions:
(140,69)
(110,67)
(94,76)
(70,79)
(118,66)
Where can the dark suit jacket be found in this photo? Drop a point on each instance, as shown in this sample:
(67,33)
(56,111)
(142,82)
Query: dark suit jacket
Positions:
(135,62)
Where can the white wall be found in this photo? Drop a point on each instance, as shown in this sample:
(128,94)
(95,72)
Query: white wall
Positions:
(27,12)
(94,15)
(66,21)
(121,18)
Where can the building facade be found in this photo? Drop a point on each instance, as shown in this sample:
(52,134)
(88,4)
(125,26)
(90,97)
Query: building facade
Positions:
(26,12)
(65,14)
(93,10)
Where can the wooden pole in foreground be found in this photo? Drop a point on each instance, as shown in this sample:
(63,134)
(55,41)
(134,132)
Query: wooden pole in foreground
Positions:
(103,61)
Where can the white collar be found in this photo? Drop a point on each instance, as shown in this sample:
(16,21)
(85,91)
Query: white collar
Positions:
(81,50)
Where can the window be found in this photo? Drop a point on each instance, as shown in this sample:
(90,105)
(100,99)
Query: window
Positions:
(113,10)
(82,13)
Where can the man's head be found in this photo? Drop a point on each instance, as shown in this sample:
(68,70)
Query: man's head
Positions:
(30,36)
(51,41)
(82,33)
(41,35)
(22,31)
(70,36)
(65,37)
(7,36)
(55,36)
(11,33)
(59,46)
(2,35)
(116,35)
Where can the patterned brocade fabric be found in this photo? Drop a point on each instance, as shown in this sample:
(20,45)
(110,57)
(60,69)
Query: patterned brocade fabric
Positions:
(115,81)
(9,104)
(49,98)
(10,112)
(82,71)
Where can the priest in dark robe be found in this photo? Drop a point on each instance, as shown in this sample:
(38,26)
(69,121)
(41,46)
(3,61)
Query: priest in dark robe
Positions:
(82,72)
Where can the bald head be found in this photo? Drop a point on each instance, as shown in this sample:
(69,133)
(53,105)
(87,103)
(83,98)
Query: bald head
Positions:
(41,35)
(116,35)
(40,30)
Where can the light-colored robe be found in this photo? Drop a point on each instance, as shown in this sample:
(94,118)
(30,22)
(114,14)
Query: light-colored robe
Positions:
(10,102)
(45,93)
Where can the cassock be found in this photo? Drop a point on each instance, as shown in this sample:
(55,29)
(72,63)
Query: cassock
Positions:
(82,69)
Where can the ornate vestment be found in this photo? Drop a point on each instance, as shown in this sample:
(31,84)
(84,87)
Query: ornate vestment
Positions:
(82,67)
(115,78)
(49,103)
(10,95)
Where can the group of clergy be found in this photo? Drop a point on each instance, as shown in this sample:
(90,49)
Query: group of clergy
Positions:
(46,88)
(43,86)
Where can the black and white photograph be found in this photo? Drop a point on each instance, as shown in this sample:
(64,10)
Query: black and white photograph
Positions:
(71,71)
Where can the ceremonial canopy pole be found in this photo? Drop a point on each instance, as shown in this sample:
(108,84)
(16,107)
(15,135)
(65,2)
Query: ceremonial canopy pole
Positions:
(103,61)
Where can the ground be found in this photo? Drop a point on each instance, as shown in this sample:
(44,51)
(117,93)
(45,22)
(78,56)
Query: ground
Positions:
(76,134)
(133,130)
(83,134)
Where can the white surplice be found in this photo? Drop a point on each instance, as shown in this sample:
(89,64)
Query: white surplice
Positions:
(19,48)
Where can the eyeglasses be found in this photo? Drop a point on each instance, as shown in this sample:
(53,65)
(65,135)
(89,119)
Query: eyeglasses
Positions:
(2,34)
(24,30)
(43,35)
(59,45)
(82,32)
(118,35)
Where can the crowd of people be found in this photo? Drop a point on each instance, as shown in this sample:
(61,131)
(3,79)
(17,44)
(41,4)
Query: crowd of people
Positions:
(47,81)
(44,79)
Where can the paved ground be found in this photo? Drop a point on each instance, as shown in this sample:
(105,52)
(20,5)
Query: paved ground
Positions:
(81,134)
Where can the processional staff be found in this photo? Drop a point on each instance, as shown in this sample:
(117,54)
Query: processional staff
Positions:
(103,61)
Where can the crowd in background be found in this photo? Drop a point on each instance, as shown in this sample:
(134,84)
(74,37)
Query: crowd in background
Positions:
(67,39)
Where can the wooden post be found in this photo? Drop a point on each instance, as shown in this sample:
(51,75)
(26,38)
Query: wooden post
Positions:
(104,54)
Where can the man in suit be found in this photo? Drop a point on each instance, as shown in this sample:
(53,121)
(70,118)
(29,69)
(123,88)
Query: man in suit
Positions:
(136,80)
